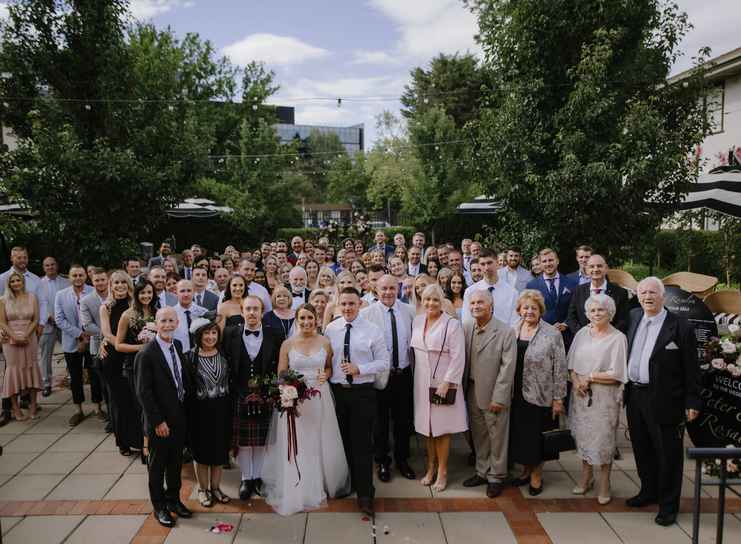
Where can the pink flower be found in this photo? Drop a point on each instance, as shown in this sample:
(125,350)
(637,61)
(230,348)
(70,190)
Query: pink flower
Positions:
(719,364)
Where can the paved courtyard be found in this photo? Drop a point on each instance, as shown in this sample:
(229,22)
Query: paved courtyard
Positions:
(61,484)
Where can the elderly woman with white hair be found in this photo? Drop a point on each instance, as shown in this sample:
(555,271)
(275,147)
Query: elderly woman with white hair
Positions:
(597,364)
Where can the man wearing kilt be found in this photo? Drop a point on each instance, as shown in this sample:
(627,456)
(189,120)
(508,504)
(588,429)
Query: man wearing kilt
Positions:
(253,354)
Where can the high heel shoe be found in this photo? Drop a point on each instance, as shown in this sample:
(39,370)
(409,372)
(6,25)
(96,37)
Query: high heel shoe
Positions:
(579,490)
(604,500)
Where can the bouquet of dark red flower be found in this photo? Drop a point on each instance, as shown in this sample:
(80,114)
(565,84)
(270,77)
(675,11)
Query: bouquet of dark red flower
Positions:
(286,392)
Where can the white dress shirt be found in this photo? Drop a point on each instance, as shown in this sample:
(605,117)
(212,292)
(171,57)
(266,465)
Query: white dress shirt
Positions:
(182,333)
(367,349)
(505,301)
(403,333)
(165,347)
(602,288)
(640,354)
(556,282)
(413,269)
(48,289)
(252,343)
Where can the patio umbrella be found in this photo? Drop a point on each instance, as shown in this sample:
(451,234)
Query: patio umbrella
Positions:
(718,190)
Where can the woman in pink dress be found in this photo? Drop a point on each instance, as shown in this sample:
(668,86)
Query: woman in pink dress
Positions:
(439,351)
(19,315)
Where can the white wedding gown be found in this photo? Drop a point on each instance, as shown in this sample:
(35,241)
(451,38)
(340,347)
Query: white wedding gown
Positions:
(321,456)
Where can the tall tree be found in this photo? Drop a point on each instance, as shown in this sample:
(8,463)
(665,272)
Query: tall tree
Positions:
(583,140)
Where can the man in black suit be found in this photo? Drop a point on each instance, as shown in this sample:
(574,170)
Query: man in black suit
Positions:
(252,351)
(415,267)
(661,395)
(163,380)
(297,281)
(599,285)
(186,272)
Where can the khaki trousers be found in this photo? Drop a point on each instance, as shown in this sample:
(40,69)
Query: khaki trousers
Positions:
(490,434)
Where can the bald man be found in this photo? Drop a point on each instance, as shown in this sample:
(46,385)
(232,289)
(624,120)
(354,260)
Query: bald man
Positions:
(163,381)
(596,268)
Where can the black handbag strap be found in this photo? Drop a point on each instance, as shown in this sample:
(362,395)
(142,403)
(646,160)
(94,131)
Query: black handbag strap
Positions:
(445,337)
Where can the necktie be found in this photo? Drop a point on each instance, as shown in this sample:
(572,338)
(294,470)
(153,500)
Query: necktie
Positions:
(638,346)
(199,299)
(247,332)
(346,350)
(394,341)
(176,371)
(551,285)
(598,291)
(491,289)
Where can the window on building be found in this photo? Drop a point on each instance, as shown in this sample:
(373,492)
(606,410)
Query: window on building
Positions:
(714,102)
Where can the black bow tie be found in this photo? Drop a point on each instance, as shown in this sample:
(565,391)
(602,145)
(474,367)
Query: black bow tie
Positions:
(301,294)
(247,332)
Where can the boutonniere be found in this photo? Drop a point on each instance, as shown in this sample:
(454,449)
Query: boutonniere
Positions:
(566,291)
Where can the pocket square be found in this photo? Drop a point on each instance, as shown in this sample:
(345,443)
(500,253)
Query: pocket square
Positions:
(566,291)
(671,345)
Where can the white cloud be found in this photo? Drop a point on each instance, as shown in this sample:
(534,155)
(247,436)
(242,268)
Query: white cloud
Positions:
(146,9)
(3,10)
(429,27)
(361,56)
(272,49)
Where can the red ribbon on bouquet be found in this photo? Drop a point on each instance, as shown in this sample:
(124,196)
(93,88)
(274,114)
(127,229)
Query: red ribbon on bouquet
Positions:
(292,439)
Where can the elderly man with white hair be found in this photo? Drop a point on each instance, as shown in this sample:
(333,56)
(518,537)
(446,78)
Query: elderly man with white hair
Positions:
(298,279)
(491,352)
(662,394)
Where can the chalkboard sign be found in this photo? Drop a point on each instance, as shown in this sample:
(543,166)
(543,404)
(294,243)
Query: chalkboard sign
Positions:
(719,423)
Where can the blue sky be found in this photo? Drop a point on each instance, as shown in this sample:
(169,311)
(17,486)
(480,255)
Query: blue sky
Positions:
(364,48)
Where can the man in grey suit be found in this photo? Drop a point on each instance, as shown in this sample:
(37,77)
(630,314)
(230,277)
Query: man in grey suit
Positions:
(162,298)
(49,286)
(201,295)
(75,340)
(159,260)
(491,357)
(90,314)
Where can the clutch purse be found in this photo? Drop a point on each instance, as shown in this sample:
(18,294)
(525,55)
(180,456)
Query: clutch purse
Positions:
(556,441)
(447,400)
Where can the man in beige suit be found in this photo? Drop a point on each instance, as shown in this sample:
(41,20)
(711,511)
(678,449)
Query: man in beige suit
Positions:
(491,357)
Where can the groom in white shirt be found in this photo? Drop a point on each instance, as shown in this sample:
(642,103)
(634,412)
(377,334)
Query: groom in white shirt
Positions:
(359,353)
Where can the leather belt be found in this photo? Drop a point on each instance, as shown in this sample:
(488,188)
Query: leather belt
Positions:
(639,385)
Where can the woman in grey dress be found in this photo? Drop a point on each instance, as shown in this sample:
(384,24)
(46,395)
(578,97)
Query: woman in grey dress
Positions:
(597,364)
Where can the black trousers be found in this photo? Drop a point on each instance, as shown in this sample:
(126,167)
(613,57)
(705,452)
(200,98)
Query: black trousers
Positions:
(165,462)
(105,380)
(394,403)
(75,363)
(658,449)
(355,407)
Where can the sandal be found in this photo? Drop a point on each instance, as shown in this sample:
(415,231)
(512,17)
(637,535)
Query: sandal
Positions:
(19,416)
(204,497)
(126,452)
(219,495)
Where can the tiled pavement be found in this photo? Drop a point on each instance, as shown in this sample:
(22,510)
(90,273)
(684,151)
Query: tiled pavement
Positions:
(70,485)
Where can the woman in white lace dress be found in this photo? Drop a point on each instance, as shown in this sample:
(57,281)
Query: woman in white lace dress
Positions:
(321,457)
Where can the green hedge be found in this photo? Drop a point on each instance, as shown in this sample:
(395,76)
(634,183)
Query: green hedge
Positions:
(315,234)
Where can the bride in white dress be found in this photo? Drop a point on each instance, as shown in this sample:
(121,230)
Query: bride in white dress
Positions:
(321,457)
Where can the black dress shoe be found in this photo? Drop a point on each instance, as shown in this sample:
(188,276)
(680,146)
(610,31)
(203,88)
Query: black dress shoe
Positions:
(384,472)
(665,519)
(180,509)
(535,491)
(366,505)
(640,500)
(246,490)
(494,489)
(164,518)
(46,392)
(406,471)
(257,486)
(475,481)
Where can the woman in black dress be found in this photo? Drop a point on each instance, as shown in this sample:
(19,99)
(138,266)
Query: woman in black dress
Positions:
(124,417)
(230,308)
(210,413)
(136,328)
(280,318)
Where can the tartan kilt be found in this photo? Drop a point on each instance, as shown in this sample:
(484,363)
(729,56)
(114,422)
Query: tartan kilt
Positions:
(251,429)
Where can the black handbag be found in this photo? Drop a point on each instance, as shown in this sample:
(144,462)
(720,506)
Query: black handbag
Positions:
(449,397)
(556,441)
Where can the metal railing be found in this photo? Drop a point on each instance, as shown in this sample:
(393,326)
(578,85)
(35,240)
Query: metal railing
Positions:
(723,482)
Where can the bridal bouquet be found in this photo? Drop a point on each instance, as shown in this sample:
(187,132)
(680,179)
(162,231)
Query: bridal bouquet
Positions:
(286,392)
(148,330)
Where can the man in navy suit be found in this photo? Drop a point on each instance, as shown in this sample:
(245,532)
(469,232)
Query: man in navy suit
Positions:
(557,291)
(582,256)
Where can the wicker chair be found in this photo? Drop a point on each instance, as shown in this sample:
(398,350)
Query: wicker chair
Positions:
(727,301)
(697,284)
(622,278)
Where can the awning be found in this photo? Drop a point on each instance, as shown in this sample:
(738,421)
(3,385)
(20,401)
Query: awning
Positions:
(719,190)
(481,205)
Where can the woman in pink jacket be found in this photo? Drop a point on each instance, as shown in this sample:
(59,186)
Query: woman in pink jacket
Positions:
(439,351)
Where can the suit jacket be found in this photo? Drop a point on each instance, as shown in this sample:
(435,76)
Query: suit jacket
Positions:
(577,316)
(239,361)
(209,300)
(575,276)
(182,273)
(496,361)
(556,307)
(523,277)
(157,392)
(292,257)
(170,299)
(672,368)
(90,311)
(67,316)
(157,260)
(422,269)
(545,369)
